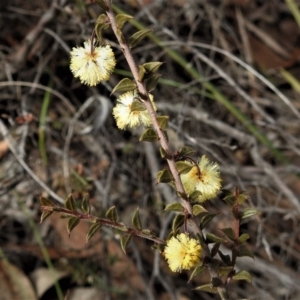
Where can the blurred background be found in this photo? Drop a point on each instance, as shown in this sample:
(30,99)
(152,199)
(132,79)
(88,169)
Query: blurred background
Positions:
(230,84)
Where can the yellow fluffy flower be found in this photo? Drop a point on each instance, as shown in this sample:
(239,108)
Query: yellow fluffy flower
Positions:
(126,116)
(182,252)
(92,64)
(208,182)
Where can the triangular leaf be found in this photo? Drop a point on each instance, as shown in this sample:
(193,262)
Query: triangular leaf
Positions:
(186,151)
(163,153)
(85,204)
(72,223)
(183,167)
(164,176)
(242,275)
(101,25)
(178,222)
(152,67)
(242,198)
(207,288)
(211,238)
(124,85)
(111,214)
(125,240)
(162,121)
(225,271)
(198,209)
(198,271)
(136,220)
(206,219)
(70,203)
(45,215)
(138,36)
(243,238)
(121,19)
(137,106)
(45,201)
(229,233)
(193,197)
(151,82)
(149,135)
(142,72)
(93,230)
(175,206)
(249,212)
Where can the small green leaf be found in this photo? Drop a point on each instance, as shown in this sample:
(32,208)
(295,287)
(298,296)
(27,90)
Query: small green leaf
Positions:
(65,216)
(137,106)
(152,67)
(138,36)
(249,212)
(186,151)
(101,25)
(151,82)
(163,153)
(149,135)
(225,271)
(111,214)
(197,271)
(164,176)
(215,249)
(121,19)
(72,223)
(211,238)
(70,203)
(206,219)
(198,209)
(125,240)
(193,197)
(85,204)
(242,275)
(177,222)
(225,258)
(207,288)
(124,85)
(243,251)
(45,201)
(175,206)
(243,238)
(229,233)
(142,72)
(242,198)
(93,230)
(162,121)
(230,200)
(136,220)
(45,215)
(183,167)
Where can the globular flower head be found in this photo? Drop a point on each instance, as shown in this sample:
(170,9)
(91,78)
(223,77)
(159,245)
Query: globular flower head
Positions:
(207,182)
(125,114)
(182,252)
(92,64)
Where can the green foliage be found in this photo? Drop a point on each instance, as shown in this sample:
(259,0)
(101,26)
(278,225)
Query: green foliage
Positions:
(136,220)
(93,230)
(138,36)
(125,240)
(124,85)
(111,214)
(72,223)
(149,135)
